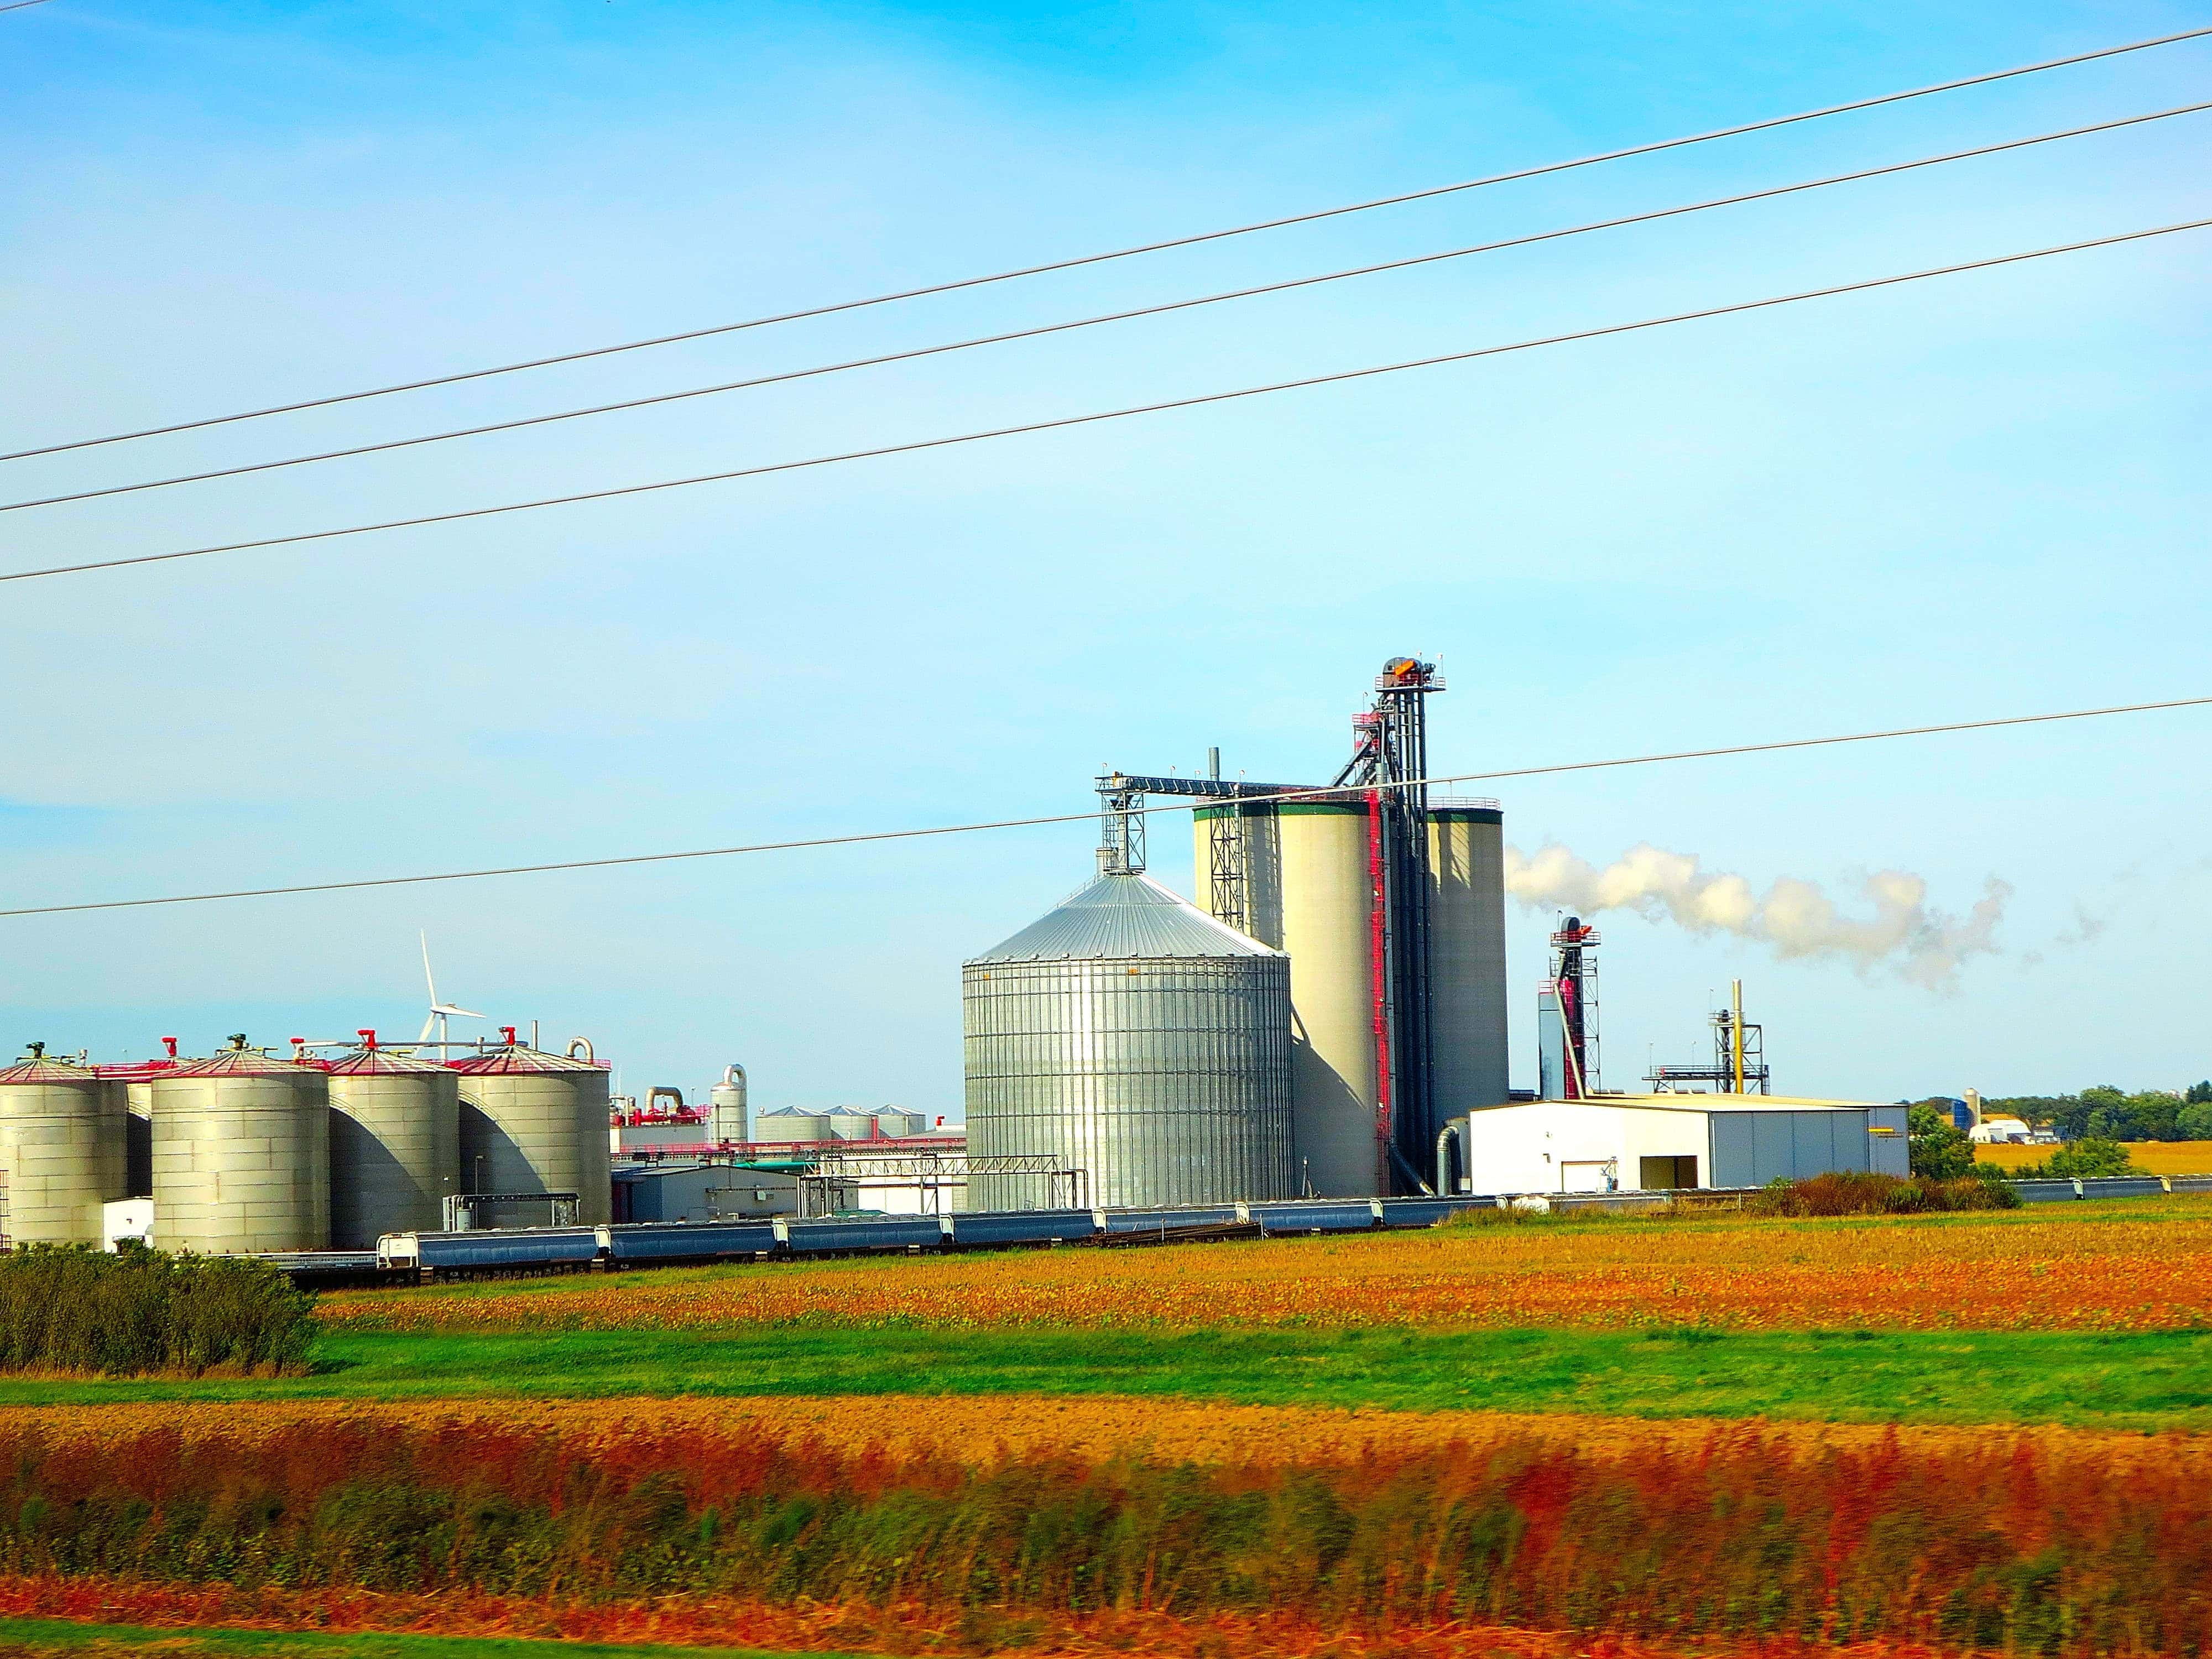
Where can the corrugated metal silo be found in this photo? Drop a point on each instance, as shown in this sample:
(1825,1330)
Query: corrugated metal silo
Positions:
(1131,1035)
(395,1145)
(535,1123)
(849,1123)
(892,1123)
(1307,893)
(1467,956)
(62,1149)
(788,1123)
(241,1155)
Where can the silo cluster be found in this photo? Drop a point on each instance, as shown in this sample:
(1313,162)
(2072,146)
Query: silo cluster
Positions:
(1359,1000)
(246,1152)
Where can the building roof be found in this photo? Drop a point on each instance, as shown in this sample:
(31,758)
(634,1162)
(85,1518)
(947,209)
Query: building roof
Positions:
(1695,1102)
(1119,918)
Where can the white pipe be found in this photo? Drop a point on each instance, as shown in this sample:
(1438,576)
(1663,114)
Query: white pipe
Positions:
(1444,1138)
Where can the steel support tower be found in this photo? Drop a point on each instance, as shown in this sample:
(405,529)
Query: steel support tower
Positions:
(1390,763)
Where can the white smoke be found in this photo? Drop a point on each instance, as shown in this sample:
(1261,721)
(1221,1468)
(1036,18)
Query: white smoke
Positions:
(1900,929)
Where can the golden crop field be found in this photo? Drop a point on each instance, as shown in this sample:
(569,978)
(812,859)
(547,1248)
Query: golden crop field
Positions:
(2158,1158)
(901,1523)
(2148,1267)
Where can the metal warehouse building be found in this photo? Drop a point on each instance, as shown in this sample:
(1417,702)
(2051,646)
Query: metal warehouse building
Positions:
(1648,1142)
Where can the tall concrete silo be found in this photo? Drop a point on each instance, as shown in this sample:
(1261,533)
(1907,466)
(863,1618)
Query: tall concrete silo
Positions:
(63,1138)
(535,1123)
(1308,893)
(1130,1036)
(241,1154)
(1468,1053)
(395,1144)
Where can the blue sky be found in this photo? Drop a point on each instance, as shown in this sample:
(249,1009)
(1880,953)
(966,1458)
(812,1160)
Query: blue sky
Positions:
(1981,496)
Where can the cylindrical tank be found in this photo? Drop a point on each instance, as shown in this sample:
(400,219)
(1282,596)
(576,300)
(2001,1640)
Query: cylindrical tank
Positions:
(730,1120)
(138,1128)
(788,1123)
(535,1123)
(63,1139)
(395,1145)
(892,1123)
(1308,894)
(241,1155)
(1131,1036)
(1467,956)
(850,1123)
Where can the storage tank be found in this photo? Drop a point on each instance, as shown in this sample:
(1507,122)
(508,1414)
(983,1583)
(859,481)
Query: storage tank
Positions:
(63,1141)
(1130,1036)
(1467,956)
(241,1154)
(728,1117)
(395,1144)
(789,1123)
(1308,894)
(535,1123)
(850,1123)
(892,1123)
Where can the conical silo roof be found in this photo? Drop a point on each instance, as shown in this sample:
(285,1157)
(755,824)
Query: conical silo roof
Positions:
(38,1068)
(520,1060)
(240,1061)
(381,1062)
(1121,917)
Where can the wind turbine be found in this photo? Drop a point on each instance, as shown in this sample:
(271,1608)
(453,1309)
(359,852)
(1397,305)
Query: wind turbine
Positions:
(439,1012)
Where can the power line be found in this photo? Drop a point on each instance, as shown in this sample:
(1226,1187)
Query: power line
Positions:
(1652,149)
(18,5)
(1076,817)
(1058,423)
(1109,317)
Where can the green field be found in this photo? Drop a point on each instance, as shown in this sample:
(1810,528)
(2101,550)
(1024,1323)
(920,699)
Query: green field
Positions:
(2142,1380)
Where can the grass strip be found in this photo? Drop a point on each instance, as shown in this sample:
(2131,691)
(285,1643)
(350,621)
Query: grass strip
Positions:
(2128,1381)
(34,1638)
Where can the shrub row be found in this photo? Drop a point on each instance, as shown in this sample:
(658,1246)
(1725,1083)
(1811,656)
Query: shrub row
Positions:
(1861,1193)
(1990,1542)
(136,1311)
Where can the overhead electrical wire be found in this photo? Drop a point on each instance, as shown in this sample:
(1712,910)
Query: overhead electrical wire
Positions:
(1161,309)
(1057,422)
(20,5)
(872,835)
(1654,147)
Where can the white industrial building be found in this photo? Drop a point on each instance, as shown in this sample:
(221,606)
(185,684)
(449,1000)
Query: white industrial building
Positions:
(1651,1143)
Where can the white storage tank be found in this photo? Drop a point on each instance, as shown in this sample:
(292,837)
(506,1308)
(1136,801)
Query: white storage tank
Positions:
(790,1124)
(1469,1055)
(395,1144)
(729,1119)
(893,1124)
(62,1139)
(1309,895)
(850,1123)
(241,1154)
(535,1123)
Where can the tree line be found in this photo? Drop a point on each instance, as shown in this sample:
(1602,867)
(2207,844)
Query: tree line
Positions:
(2104,1113)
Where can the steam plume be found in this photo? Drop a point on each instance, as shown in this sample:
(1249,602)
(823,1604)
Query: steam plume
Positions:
(1795,918)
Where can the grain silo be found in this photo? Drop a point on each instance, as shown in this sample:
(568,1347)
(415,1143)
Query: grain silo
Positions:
(395,1144)
(787,1125)
(1129,1035)
(852,1123)
(61,1151)
(1467,956)
(241,1154)
(1308,893)
(533,1122)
